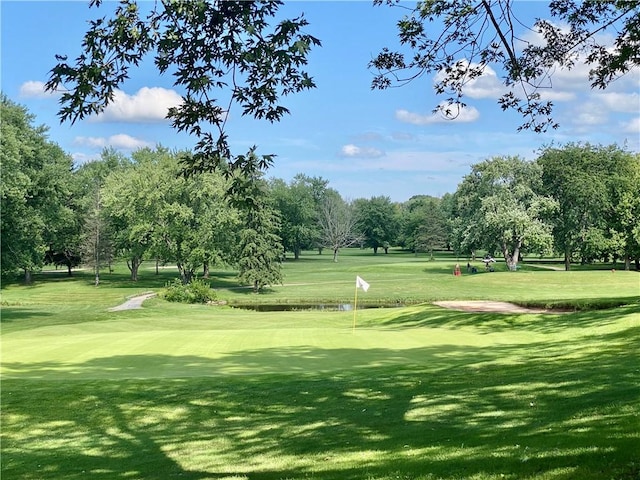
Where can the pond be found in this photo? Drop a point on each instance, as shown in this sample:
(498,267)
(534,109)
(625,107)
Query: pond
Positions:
(293,307)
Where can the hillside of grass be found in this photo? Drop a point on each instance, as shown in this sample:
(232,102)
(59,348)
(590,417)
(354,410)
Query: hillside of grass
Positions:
(413,392)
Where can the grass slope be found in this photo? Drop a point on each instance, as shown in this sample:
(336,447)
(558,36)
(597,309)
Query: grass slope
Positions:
(420,392)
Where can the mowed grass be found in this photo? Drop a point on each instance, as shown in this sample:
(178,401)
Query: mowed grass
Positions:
(418,392)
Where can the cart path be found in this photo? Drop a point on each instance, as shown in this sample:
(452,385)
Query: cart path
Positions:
(133,302)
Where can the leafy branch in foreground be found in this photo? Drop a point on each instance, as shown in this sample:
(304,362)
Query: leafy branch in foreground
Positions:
(457,41)
(220,53)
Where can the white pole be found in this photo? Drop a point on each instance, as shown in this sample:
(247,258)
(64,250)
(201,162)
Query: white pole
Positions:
(355,308)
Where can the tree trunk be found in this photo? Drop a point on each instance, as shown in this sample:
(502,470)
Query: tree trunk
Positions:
(205,270)
(96,269)
(513,265)
(185,275)
(27,276)
(133,265)
(69,269)
(506,255)
(375,250)
(567,259)
(627,262)
(335,254)
(296,253)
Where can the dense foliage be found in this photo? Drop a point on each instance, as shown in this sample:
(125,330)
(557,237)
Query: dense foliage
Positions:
(220,53)
(500,210)
(37,204)
(596,189)
(579,201)
(197,291)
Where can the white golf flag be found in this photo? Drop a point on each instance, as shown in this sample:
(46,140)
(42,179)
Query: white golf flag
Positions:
(360,283)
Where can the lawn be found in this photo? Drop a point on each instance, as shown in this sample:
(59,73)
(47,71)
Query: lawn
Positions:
(416,392)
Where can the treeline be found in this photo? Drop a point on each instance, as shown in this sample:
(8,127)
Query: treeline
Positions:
(580,201)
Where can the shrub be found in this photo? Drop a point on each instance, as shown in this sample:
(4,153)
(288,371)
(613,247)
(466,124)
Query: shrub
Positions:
(198,291)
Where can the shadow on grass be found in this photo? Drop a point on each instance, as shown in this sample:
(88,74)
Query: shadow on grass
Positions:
(493,322)
(549,410)
(13,314)
(583,304)
(146,279)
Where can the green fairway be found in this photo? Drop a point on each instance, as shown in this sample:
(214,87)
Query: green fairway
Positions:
(416,392)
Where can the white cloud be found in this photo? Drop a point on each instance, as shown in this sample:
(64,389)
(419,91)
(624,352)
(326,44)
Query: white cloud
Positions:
(427,161)
(588,114)
(556,95)
(34,89)
(120,141)
(146,105)
(92,142)
(621,102)
(599,107)
(590,117)
(354,151)
(564,84)
(632,126)
(447,113)
(487,85)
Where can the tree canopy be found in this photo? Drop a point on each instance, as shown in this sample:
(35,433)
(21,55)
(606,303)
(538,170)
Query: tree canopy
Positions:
(596,189)
(299,203)
(376,220)
(579,200)
(35,191)
(500,210)
(457,41)
(220,53)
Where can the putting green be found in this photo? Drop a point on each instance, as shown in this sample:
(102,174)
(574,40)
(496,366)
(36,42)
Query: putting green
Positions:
(250,343)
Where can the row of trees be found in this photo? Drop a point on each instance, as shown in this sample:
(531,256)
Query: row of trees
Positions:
(587,209)
(580,201)
(577,200)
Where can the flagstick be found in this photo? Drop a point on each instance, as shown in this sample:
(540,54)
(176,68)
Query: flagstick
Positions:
(355,309)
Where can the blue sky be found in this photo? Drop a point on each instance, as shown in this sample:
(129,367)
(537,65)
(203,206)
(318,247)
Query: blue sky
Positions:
(366,143)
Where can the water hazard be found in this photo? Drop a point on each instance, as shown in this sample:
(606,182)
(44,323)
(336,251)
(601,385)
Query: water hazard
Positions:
(293,307)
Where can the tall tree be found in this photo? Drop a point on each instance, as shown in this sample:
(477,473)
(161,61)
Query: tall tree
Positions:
(448,209)
(96,247)
(219,52)
(35,187)
(499,209)
(260,247)
(338,223)
(459,40)
(153,209)
(298,204)
(377,220)
(131,199)
(95,236)
(424,225)
(595,191)
(627,210)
